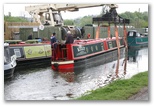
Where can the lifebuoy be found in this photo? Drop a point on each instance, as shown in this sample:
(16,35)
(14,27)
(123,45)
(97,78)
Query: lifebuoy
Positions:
(88,36)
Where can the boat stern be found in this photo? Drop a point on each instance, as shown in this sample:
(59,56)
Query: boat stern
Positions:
(63,66)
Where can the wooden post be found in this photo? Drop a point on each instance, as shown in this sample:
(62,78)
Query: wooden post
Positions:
(97,32)
(109,33)
(117,42)
(126,48)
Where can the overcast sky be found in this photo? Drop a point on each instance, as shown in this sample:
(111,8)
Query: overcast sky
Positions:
(19,10)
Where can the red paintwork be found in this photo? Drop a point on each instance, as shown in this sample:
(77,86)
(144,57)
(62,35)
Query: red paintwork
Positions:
(64,68)
(32,44)
(70,54)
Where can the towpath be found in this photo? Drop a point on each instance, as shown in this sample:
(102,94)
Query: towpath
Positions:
(141,95)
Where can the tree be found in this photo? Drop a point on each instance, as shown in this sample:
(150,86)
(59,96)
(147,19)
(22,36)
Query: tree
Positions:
(68,22)
(137,19)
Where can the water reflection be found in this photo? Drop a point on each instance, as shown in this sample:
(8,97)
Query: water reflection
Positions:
(133,54)
(137,60)
(45,84)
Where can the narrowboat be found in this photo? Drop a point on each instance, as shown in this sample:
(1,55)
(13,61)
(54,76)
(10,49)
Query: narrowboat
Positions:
(91,52)
(9,62)
(30,52)
(135,39)
(81,53)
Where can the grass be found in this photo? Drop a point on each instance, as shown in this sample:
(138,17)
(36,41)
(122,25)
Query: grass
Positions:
(119,89)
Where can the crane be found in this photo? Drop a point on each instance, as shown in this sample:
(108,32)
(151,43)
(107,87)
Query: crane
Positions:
(49,14)
(53,17)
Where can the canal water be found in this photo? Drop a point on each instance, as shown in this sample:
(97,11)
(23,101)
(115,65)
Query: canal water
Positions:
(45,84)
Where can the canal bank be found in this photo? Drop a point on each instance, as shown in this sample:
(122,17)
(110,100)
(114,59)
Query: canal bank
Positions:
(141,95)
(122,89)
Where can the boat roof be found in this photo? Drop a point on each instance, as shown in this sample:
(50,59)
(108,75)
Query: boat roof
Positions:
(132,31)
(89,41)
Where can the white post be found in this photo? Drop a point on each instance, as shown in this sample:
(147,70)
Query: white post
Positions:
(52,23)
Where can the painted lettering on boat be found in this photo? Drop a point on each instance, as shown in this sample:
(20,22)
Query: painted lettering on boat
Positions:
(87,49)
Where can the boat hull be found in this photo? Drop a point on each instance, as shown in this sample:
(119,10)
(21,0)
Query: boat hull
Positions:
(9,73)
(138,42)
(135,39)
(9,69)
(78,65)
(63,66)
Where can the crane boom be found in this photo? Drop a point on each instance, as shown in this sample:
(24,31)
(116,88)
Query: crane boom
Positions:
(60,7)
(52,12)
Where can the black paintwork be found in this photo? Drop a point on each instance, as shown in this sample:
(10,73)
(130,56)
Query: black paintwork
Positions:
(99,59)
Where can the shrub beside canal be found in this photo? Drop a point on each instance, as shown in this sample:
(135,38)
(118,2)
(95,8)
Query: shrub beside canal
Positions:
(119,89)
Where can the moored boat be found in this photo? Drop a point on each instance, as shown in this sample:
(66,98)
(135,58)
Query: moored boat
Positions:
(30,52)
(9,62)
(81,53)
(135,39)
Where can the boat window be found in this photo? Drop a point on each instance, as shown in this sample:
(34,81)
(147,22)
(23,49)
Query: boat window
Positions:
(102,44)
(114,44)
(87,50)
(138,34)
(110,45)
(92,49)
(146,30)
(96,47)
(131,33)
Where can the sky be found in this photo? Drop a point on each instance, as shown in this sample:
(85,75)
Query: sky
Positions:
(19,10)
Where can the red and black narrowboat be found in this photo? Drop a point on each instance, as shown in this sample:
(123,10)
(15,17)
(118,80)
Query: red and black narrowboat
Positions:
(91,52)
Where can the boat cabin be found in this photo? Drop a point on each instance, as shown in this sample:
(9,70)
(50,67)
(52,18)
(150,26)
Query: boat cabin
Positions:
(83,48)
(30,50)
(134,33)
(135,39)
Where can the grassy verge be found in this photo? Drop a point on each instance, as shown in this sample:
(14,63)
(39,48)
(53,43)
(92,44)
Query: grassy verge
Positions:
(119,89)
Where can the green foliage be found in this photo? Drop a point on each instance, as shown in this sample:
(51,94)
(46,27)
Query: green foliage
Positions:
(68,22)
(14,19)
(119,89)
(85,20)
(79,21)
(137,19)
